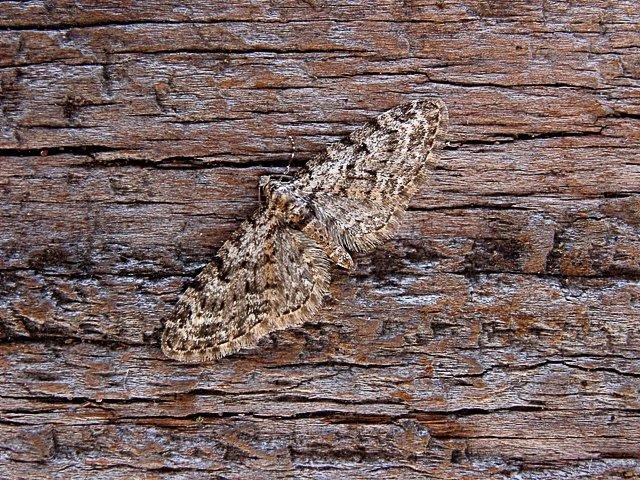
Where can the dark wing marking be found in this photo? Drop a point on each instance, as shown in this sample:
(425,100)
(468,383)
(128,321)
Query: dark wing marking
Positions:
(362,185)
(267,278)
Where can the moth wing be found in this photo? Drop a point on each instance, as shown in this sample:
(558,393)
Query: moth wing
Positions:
(266,278)
(358,225)
(363,184)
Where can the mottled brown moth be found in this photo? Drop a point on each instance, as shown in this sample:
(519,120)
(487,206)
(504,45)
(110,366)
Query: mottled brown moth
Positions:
(274,273)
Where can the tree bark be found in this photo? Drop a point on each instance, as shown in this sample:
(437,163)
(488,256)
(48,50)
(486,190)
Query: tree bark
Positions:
(494,336)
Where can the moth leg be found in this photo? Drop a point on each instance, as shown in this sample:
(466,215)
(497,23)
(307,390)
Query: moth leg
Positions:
(264,180)
(316,231)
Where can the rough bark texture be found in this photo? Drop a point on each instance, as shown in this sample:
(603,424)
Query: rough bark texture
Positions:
(496,335)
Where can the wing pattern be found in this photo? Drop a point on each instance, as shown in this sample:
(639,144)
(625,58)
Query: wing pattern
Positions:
(364,183)
(274,272)
(267,278)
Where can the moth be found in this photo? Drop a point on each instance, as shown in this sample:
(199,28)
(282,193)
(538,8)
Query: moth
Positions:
(275,271)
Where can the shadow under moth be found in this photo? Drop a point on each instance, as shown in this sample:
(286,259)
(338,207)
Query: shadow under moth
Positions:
(275,271)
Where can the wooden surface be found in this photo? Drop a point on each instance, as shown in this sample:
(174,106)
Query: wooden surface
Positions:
(495,336)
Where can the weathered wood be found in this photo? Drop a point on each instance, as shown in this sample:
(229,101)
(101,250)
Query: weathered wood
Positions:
(496,335)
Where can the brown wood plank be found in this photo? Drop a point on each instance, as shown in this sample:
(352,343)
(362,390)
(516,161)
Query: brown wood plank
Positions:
(494,336)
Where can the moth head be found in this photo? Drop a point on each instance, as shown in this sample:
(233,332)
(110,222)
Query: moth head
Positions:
(270,186)
(286,200)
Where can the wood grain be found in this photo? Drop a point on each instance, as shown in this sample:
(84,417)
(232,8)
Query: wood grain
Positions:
(495,336)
